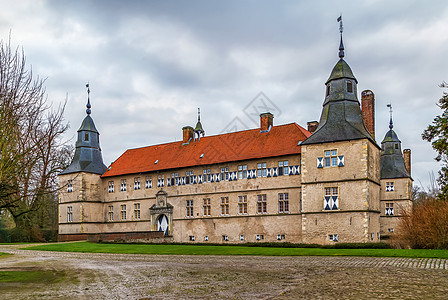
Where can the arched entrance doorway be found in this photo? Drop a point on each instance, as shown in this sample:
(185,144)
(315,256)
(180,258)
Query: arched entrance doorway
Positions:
(163,224)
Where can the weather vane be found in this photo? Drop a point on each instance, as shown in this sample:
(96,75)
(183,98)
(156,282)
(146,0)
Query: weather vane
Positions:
(88,111)
(341,45)
(391,125)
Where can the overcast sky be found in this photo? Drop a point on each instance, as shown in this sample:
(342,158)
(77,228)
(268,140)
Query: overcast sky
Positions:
(151,64)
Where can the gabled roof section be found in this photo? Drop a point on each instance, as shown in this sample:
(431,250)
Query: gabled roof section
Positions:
(229,147)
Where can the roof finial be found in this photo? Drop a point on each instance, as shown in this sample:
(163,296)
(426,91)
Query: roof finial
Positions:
(199,114)
(391,124)
(341,45)
(88,111)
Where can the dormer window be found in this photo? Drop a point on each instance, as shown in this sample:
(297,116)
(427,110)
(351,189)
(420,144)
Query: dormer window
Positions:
(349,87)
(328,90)
(86,137)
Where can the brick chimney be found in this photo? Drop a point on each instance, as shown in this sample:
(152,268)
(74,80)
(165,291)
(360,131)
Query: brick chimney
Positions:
(368,111)
(187,134)
(407,159)
(266,121)
(312,126)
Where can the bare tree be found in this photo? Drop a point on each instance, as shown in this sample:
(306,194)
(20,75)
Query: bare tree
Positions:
(32,152)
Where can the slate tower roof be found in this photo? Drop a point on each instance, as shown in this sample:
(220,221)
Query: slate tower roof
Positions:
(391,160)
(341,117)
(87,156)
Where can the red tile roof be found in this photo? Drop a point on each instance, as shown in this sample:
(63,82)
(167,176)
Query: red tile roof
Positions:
(235,146)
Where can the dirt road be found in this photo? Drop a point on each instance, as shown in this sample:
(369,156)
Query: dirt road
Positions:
(116,276)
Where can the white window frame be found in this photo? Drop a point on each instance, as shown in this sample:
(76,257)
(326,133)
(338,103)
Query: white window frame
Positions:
(69,186)
(111,187)
(189,208)
(136,183)
(69,214)
(110,213)
(123,185)
(283,203)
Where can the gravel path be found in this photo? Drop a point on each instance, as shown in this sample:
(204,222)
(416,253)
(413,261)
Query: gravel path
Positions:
(118,276)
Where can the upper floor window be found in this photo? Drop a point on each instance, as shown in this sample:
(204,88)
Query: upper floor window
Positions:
(331,198)
(242,205)
(330,159)
(389,186)
(283,203)
(123,185)
(224,206)
(225,173)
(69,186)
(111,187)
(389,209)
(349,87)
(148,182)
(283,168)
(242,172)
(86,136)
(207,176)
(189,208)
(69,213)
(327,93)
(262,172)
(136,183)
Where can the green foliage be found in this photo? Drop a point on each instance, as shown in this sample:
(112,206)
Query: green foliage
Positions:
(169,249)
(437,135)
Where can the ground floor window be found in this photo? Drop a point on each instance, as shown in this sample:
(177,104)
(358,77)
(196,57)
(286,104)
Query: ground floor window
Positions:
(283,203)
(333,237)
(110,213)
(69,213)
(242,205)
(224,206)
(280,237)
(189,208)
(259,237)
(225,238)
(123,212)
(137,211)
(261,204)
(206,207)
(192,238)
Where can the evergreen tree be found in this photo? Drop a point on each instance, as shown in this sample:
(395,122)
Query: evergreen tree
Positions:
(437,135)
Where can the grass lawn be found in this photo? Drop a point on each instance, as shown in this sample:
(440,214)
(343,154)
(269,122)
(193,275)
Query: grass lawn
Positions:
(233,250)
(29,276)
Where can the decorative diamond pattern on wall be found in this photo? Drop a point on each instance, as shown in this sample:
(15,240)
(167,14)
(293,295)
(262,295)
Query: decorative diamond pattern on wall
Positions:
(341,161)
(320,162)
(331,203)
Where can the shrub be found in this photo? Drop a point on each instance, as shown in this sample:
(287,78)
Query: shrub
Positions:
(426,226)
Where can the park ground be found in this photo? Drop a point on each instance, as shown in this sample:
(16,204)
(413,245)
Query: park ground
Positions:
(69,275)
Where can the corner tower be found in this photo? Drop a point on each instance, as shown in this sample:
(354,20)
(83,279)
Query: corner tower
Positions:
(396,181)
(80,210)
(340,167)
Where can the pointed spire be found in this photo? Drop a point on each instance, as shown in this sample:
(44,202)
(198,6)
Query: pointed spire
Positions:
(88,111)
(391,124)
(341,44)
(199,114)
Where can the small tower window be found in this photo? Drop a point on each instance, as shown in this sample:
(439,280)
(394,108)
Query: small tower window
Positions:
(349,87)
(86,137)
(328,90)
(396,146)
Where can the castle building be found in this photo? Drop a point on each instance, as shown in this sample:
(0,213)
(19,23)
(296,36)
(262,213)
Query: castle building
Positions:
(325,184)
